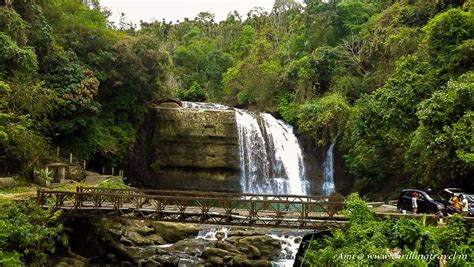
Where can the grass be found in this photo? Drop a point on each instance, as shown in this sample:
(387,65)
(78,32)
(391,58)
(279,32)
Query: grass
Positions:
(20,187)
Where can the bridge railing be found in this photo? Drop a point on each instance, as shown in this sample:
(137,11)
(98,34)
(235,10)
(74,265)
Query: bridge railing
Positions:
(249,196)
(194,208)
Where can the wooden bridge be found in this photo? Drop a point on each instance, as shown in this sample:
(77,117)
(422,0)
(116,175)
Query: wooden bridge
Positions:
(288,211)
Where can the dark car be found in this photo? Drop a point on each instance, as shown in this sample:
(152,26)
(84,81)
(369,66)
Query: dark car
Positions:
(426,204)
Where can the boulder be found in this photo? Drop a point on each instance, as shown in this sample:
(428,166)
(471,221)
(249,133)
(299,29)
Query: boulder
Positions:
(173,232)
(250,232)
(191,246)
(217,252)
(257,247)
(138,239)
(244,262)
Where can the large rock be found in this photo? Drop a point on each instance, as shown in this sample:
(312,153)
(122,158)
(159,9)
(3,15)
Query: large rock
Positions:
(173,232)
(257,247)
(187,149)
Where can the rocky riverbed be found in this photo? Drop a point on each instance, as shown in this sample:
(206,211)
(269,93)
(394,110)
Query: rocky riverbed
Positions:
(148,243)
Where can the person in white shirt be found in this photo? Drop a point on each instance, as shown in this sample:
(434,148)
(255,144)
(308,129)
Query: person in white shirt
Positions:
(464,204)
(414,203)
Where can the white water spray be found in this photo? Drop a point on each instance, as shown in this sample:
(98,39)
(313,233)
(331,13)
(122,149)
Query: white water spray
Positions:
(328,184)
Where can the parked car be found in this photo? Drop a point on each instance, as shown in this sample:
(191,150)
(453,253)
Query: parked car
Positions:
(448,193)
(426,204)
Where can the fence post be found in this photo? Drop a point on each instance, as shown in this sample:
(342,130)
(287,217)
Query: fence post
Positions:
(103,170)
(70,158)
(84,165)
(113,170)
(57,151)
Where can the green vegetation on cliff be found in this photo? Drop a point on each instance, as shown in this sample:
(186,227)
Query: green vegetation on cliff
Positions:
(391,81)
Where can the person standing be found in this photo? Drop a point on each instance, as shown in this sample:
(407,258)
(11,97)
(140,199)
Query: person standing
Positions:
(456,204)
(464,205)
(414,202)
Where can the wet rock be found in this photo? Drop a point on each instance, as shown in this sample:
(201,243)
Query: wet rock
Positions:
(141,227)
(115,233)
(217,252)
(191,246)
(140,240)
(244,262)
(173,232)
(216,261)
(167,260)
(257,247)
(246,233)
(227,246)
(149,263)
(125,241)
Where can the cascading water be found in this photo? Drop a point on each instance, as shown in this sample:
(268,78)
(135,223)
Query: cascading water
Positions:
(328,184)
(287,161)
(253,154)
(271,159)
(201,105)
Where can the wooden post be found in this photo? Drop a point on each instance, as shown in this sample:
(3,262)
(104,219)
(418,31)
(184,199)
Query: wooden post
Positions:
(113,170)
(103,170)
(84,165)
(57,151)
(70,158)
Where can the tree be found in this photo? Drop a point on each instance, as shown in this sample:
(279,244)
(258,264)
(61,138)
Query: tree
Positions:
(442,148)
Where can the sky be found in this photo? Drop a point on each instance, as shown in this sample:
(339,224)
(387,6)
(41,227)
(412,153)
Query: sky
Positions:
(172,10)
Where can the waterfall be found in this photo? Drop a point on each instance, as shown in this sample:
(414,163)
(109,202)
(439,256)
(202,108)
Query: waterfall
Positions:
(271,159)
(253,154)
(203,106)
(287,160)
(328,185)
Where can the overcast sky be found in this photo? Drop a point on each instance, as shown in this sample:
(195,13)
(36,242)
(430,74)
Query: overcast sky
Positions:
(172,10)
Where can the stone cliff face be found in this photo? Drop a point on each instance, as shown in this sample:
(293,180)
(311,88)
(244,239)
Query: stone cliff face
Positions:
(198,149)
(188,149)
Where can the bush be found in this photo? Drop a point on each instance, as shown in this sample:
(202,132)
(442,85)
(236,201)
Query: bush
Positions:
(371,242)
(113,183)
(28,234)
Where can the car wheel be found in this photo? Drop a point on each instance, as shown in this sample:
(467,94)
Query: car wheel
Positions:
(399,209)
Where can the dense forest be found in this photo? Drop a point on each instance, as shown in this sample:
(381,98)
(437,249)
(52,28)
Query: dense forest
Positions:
(390,81)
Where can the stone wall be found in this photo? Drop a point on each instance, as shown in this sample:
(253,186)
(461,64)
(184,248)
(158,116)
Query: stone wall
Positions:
(187,149)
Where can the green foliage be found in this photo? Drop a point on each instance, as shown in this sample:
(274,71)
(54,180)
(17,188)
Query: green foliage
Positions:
(442,146)
(194,93)
(368,241)
(324,118)
(445,33)
(389,79)
(28,234)
(15,58)
(113,183)
(45,176)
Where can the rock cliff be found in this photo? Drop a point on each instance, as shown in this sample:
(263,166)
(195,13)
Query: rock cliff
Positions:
(187,149)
